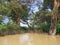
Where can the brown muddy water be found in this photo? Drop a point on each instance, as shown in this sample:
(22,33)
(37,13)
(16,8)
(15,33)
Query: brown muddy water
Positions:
(30,39)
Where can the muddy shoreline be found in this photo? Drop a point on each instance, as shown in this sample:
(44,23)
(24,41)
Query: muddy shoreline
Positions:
(13,32)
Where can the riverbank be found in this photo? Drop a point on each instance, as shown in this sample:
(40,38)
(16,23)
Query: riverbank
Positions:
(13,32)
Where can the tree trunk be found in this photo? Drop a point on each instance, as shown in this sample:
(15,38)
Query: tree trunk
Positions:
(53,18)
(18,21)
(18,16)
(53,25)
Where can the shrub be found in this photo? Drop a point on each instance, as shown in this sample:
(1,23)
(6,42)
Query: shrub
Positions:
(13,27)
(23,28)
(45,27)
(3,28)
(58,28)
(8,27)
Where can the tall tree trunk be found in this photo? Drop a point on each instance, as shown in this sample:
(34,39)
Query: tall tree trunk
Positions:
(18,15)
(53,25)
(53,18)
(16,10)
(18,21)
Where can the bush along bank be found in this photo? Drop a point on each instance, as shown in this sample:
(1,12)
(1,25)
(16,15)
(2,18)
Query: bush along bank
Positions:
(9,29)
(46,27)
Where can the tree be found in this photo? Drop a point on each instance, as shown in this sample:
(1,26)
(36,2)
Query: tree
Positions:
(55,4)
(15,9)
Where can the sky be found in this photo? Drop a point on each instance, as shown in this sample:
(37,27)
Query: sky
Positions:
(6,20)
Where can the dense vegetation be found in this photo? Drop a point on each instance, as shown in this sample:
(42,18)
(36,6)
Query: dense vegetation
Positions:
(21,12)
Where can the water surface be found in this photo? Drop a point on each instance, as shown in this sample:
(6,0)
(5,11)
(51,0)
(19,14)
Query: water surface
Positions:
(30,39)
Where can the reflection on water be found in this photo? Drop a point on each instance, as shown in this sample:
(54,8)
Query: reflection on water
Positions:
(24,38)
(5,42)
(30,39)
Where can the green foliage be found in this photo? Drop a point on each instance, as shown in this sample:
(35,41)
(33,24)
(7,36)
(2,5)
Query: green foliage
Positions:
(2,28)
(42,16)
(23,28)
(58,28)
(8,27)
(48,3)
(1,19)
(45,27)
(11,27)
(13,10)
(3,7)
